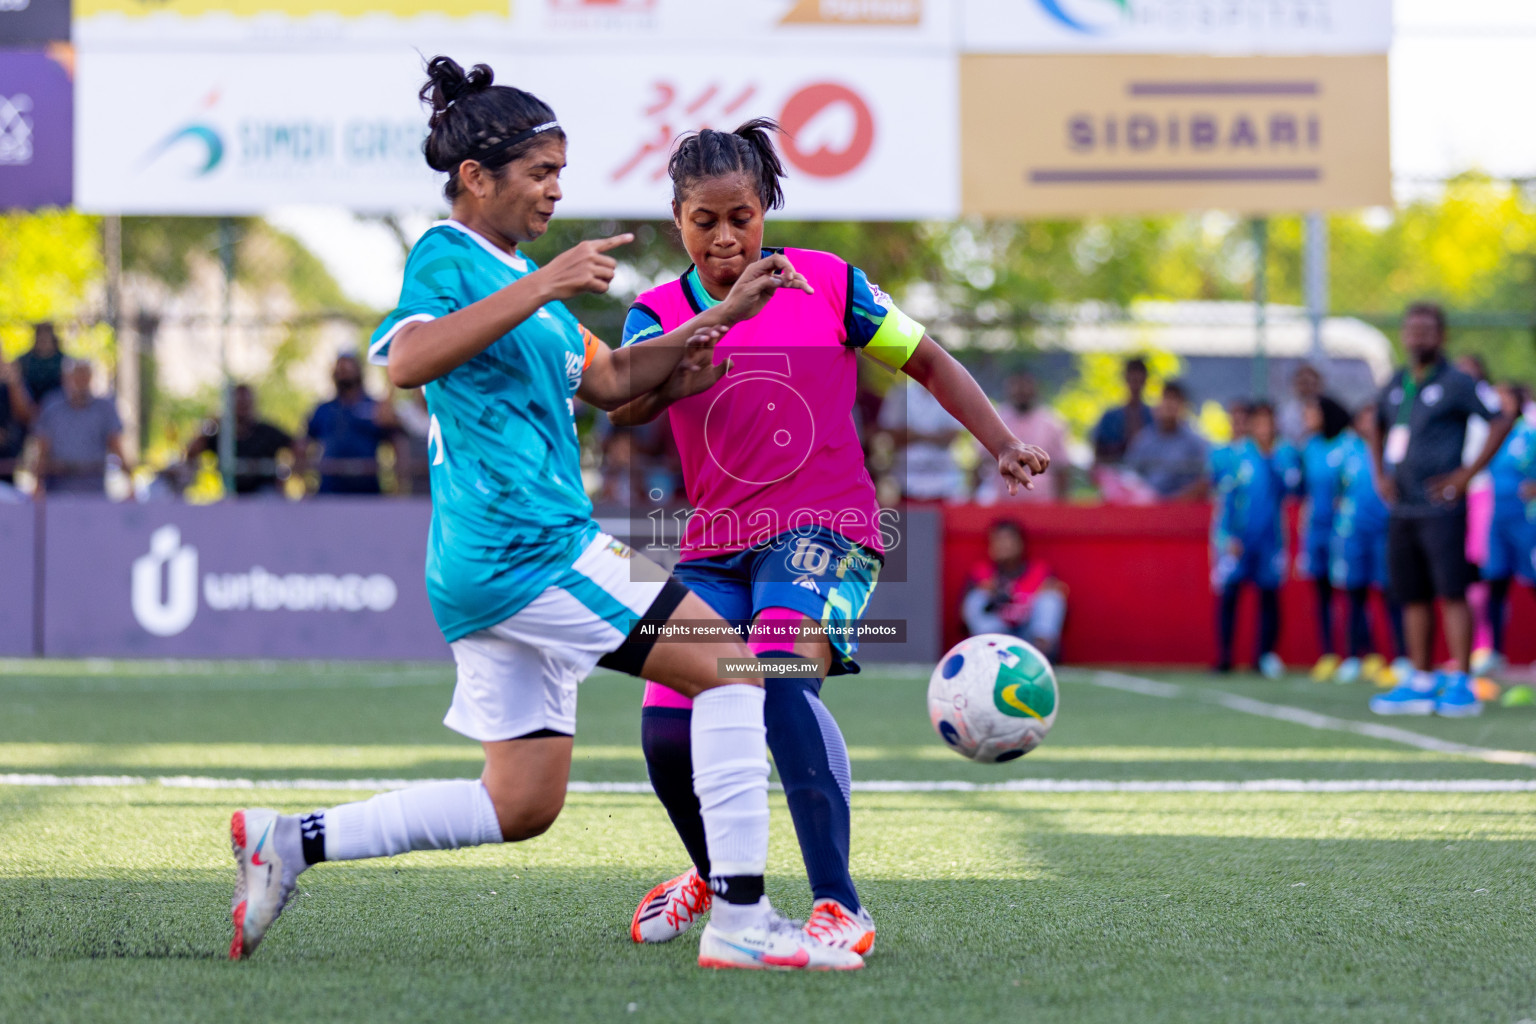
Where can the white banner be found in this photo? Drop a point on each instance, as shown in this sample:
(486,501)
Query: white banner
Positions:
(1302,27)
(870,137)
(432,24)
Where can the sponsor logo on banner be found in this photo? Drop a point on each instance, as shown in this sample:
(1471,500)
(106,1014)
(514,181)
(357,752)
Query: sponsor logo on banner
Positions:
(602,15)
(16,129)
(828,127)
(164,591)
(277,147)
(1107,134)
(291,8)
(854,12)
(1178,26)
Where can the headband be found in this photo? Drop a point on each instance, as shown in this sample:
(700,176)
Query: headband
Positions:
(494,148)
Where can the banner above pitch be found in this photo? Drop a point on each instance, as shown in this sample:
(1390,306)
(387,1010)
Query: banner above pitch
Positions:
(629,24)
(242,133)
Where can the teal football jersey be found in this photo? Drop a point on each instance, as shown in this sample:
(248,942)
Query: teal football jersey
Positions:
(509,511)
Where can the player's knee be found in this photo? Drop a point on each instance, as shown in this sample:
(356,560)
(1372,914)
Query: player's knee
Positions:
(527,822)
(522,817)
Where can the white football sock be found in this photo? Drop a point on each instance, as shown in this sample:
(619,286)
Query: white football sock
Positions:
(730,776)
(439,816)
(735,917)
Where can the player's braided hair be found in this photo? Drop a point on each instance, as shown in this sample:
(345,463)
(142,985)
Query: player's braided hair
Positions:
(471,119)
(748,150)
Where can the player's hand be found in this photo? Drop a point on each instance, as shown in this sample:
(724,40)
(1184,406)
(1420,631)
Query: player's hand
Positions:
(1528,491)
(585,267)
(696,371)
(1387,488)
(1020,463)
(9,374)
(757,284)
(1450,488)
(1235,548)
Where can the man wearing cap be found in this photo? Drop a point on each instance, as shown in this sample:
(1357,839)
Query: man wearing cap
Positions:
(1421,431)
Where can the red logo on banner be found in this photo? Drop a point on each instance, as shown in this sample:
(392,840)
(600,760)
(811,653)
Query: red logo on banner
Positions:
(809,117)
(824,100)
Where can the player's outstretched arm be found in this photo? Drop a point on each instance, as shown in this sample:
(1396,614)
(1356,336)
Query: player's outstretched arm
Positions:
(423,352)
(960,395)
(653,374)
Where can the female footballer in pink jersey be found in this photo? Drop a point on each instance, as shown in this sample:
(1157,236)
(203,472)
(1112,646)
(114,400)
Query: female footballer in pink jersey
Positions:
(785,539)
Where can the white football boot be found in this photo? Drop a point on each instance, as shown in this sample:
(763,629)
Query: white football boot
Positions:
(771,943)
(268,858)
(671,908)
(833,924)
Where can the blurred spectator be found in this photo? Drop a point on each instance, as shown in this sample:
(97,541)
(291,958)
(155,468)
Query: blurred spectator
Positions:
(619,484)
(1511,534)
(1472,364)
(1035,424)
(1239,413)
(16,412)
(257,444)
(1009,593)
(656,469)
(76,431)
(1170,457)
(42,366)
(922,432)
(348,430)
(413,453)
(1291,414)
(1119,426)
(1253,478)
(1422,426)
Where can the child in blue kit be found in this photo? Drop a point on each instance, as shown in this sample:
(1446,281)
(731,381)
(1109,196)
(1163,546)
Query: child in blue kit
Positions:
(1325,421)
(1252,479)
(1511,533)
(1359,550)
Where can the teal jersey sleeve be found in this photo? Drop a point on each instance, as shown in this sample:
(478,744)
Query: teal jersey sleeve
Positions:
(875,325)
(433,287)
(640,324)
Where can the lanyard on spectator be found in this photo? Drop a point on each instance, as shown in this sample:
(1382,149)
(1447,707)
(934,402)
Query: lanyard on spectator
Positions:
(1410,393)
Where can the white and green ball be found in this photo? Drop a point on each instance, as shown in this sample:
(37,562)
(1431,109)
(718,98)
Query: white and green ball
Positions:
(993,698)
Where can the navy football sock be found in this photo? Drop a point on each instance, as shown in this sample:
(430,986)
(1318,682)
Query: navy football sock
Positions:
(1498,601)
(1269,621)
(1226,624)
(812,760)
(664,737)
(1324,588)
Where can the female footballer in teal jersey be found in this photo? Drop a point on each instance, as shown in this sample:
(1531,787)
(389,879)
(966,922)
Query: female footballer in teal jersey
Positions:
(526,589)
(785,540)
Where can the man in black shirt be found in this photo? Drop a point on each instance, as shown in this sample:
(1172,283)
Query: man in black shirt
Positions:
(257,444)
(16,411)
(1421,433)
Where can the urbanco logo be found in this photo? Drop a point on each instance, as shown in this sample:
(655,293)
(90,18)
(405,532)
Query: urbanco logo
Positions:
(165,584)
(166,591)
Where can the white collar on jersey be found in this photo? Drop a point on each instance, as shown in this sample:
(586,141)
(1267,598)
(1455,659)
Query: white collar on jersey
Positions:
(515,262)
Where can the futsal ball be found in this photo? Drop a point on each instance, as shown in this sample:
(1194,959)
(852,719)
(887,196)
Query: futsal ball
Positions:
(993,698)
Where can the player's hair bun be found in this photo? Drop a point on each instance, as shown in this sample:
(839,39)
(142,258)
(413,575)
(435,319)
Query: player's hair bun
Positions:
(447,82)
(473,119)
(748,150)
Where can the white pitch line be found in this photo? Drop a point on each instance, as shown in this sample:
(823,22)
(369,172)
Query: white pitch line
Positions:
(873,786)
(1310,719)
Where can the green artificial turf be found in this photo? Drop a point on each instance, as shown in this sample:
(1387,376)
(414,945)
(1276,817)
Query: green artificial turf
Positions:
(992,906)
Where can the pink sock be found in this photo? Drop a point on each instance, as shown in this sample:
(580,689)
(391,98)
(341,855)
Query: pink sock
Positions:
(658,696)
(775,629)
